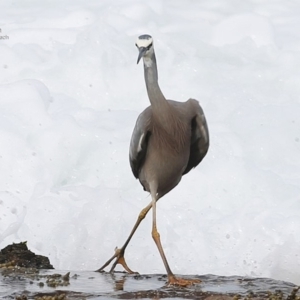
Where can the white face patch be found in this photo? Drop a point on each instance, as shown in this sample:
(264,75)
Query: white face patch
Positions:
(145,42)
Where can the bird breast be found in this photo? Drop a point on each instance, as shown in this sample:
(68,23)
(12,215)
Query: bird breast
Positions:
(167,155)
(172,139)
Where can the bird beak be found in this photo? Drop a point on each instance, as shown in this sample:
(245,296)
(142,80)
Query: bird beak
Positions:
(141,53)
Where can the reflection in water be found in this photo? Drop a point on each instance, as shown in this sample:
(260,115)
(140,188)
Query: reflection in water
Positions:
(119,281)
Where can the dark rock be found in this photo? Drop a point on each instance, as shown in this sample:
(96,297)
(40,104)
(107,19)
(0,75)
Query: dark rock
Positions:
(19,255)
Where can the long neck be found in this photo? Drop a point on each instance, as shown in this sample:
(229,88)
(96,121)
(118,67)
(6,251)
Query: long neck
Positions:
(155,95)
(162,112)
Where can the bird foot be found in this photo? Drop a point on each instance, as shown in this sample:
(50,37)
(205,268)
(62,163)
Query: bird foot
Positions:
(121,260)
(180,282)
(119,255)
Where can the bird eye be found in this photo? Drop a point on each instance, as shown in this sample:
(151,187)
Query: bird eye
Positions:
(149,46)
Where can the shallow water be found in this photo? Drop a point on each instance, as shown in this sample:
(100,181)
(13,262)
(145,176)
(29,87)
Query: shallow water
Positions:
(93,285)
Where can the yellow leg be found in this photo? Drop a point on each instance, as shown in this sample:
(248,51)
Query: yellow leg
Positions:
(156,237)
(172,279)
(119,253)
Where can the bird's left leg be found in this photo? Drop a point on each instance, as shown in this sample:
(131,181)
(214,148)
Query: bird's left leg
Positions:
(119,252)
(172,279)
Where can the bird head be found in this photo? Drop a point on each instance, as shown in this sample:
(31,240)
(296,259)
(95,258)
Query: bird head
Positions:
(144,44)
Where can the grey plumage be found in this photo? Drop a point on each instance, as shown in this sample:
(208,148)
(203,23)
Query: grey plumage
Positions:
(169,139)
(172,134)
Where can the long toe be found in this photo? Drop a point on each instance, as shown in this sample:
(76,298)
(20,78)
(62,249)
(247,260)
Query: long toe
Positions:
(121,261)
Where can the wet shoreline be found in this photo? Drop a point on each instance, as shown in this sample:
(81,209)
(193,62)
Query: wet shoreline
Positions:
(23,284)
(23,276)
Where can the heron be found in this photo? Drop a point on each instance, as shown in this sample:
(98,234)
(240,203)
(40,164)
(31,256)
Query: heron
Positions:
(169,139)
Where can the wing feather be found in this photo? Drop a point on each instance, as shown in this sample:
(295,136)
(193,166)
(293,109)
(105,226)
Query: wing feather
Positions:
(199,139)
(139,141)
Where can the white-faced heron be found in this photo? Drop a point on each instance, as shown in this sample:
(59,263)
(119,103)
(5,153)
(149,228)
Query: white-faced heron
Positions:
(169,139)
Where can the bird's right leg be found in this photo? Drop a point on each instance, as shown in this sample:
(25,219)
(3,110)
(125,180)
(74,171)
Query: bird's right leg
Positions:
(172,279)
(119,252)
